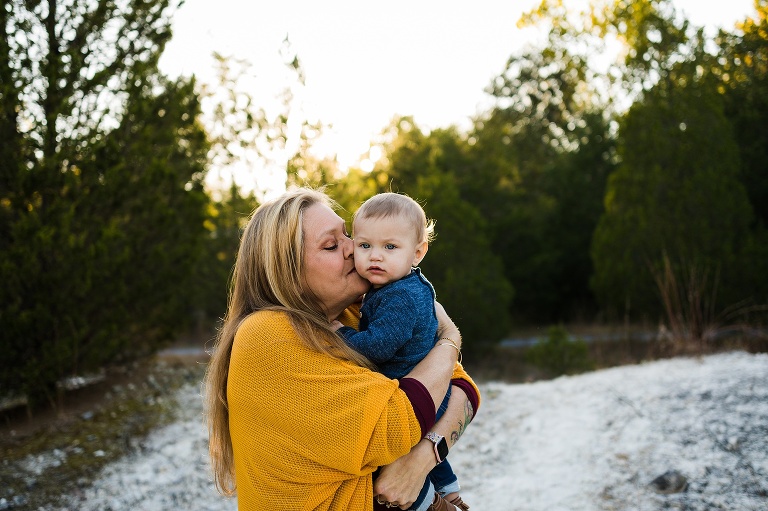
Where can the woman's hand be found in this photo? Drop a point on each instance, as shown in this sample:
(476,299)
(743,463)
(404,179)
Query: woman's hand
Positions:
(401,481)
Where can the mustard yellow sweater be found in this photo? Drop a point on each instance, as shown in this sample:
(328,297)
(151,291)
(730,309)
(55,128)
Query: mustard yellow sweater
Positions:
(307,429)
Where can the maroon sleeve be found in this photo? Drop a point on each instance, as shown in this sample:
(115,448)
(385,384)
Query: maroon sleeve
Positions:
(421,401)
(470,391)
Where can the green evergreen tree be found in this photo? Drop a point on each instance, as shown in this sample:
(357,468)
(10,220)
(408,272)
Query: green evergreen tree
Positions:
(576,181)
(461,263)
(225,218)
(101,199)
(468,276)
(675,195)
(743,73)
(742,70)
(539,162)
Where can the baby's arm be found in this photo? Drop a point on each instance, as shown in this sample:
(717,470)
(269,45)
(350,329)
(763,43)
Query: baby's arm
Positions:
(389,328)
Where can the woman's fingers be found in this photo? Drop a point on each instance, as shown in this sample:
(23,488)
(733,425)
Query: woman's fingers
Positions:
(384,502)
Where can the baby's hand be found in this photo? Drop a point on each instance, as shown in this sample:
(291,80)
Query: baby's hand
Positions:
(336,324)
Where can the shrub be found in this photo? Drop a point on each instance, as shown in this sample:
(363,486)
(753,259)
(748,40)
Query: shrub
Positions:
(559,354)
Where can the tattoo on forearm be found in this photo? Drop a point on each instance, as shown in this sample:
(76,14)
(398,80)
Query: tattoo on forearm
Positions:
(469,413)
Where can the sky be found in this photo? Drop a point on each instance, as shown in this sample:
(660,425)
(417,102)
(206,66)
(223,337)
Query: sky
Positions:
(366,62)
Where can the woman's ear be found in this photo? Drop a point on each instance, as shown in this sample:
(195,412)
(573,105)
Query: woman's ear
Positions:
(421,251)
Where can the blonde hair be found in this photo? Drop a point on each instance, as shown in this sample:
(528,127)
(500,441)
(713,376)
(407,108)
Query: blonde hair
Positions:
(389,204)
(268,275)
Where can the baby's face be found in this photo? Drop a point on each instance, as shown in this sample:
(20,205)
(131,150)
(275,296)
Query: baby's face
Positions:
(386,249)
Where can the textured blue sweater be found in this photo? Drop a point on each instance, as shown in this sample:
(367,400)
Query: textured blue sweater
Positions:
(398,325)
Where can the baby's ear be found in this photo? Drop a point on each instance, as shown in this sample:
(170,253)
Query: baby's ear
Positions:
(421,251)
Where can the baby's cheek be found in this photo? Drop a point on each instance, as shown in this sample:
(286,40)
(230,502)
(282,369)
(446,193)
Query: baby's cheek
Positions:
(359,261)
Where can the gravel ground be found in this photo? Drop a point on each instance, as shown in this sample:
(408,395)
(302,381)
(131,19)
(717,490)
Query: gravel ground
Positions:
(588,442)
(597,441)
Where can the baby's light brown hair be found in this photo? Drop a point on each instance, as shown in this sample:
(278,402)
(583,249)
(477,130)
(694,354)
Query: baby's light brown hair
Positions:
(389,204)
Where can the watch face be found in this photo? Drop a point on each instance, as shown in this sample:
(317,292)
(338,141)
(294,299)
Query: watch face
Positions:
(442,448)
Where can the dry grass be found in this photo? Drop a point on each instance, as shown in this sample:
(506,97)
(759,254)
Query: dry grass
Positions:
(693,322)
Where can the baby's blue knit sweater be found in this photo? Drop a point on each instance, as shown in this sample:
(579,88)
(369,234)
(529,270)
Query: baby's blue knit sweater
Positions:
(398,325)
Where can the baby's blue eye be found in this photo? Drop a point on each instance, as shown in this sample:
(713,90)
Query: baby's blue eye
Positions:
(365,245)
(390,246)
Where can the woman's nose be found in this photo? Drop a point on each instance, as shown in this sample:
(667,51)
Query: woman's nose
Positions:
(348,247)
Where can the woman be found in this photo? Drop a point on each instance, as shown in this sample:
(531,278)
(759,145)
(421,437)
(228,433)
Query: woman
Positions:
(298,420)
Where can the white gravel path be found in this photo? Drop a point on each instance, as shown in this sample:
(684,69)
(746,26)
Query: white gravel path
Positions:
(589,442)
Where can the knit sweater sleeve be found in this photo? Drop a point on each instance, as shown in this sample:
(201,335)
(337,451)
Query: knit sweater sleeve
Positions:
(462,380)
(299,418)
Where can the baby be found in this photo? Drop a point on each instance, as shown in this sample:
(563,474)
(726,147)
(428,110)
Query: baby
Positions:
(398,325)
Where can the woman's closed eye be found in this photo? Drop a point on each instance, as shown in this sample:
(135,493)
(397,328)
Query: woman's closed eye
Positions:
(332,245)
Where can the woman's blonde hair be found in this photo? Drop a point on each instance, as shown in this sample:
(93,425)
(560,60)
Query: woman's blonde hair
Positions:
(268,275)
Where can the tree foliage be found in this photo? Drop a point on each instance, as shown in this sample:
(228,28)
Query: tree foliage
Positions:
(250,139)
(680,193)
(675,194)
(540,160)
(101,195)
(467,275)
(742,68)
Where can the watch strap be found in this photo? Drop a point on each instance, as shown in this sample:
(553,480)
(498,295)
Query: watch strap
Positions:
(436,439)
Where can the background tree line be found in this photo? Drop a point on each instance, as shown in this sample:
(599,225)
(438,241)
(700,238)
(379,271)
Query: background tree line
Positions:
(560,204)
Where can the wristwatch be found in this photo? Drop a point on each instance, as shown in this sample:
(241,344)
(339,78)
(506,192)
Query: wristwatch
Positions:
(441,446)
